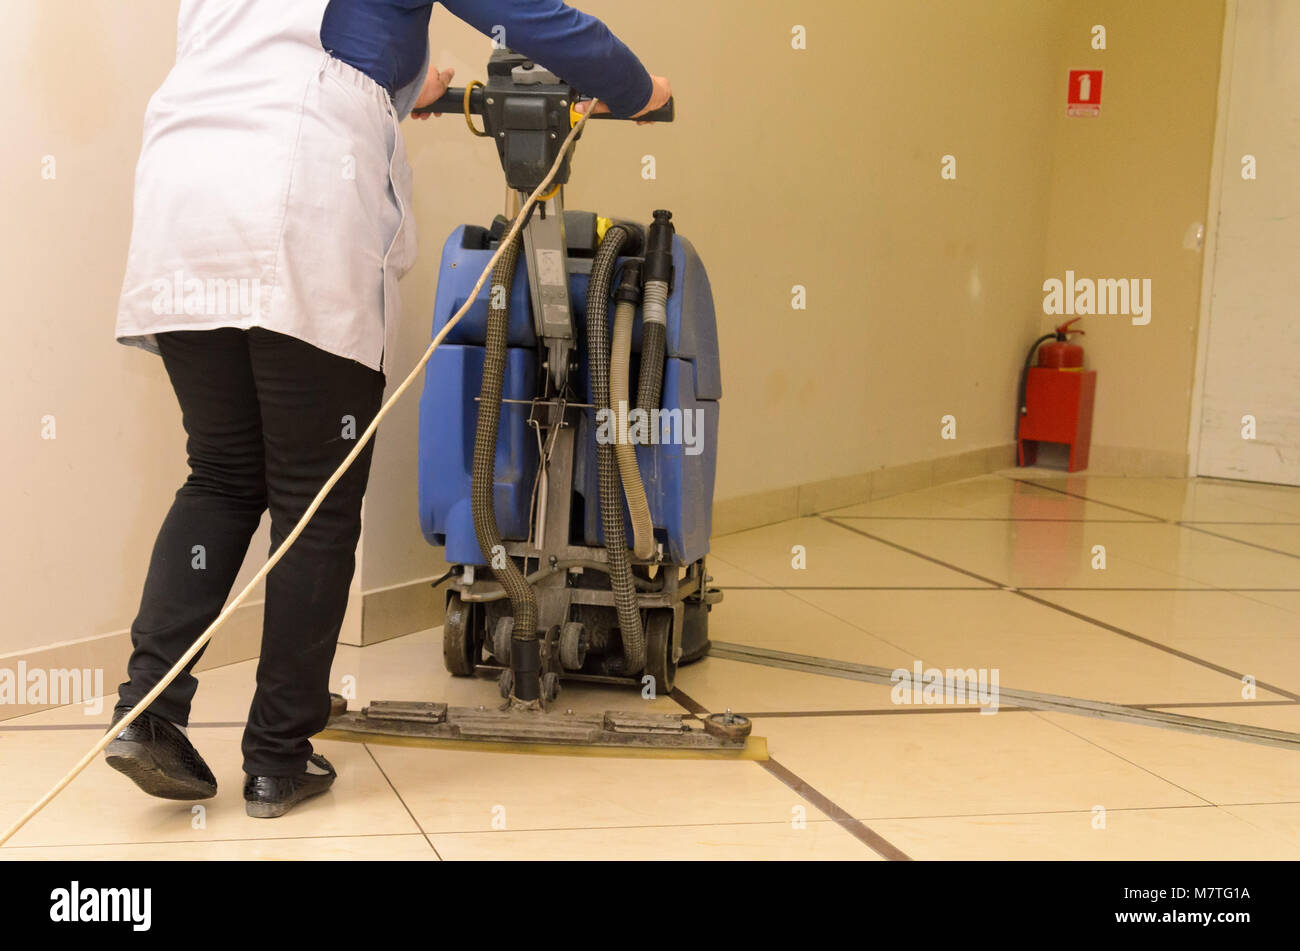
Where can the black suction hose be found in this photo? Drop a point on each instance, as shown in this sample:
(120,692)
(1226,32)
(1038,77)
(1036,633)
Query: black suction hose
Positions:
(611,488)
(524,652)
(1021,408)
(658,275)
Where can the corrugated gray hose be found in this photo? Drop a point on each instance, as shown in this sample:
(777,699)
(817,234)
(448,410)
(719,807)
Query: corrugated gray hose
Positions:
(654,331)
(638,506)
(611,488)
(523,599)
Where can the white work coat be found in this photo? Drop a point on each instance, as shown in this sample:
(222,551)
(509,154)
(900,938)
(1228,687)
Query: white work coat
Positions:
(272,188)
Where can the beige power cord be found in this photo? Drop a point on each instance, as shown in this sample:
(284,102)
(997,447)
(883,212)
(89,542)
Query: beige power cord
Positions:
(206,636)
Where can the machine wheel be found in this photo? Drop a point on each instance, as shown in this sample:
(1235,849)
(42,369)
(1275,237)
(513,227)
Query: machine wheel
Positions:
(728,726)
(501,634)
(695,632)
(458,648)
(659,641)
(550,686)
(573,645)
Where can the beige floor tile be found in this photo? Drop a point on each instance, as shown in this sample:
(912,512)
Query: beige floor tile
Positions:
(1176,499)
(945,764)
(818,840)
(834,556)
(1218,771)
(1286,600)
(719,684)
(726,575)
(101,806)
(1283,538)
(937,785)
(1217,562)
(924,504)
(1281,500)
(1039,554)
(466,791)
(1047,554)
(402,848)
(1187,834)
(1033,647)
(1281,821)
(987,496)
(795,622)
(1242,632)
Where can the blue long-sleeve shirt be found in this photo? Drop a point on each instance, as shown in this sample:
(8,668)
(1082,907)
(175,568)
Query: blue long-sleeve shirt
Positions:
(388,41)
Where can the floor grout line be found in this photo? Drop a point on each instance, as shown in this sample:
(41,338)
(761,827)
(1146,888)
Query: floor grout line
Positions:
(1122,758)
(1190,524)
(1239,541)
(393,787)
(1184,655)
(1084,498)
(903,548)
(855,827)
(1078,615)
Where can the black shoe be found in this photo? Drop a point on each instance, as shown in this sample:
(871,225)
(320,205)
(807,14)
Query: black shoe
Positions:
(159,758)
(269,797)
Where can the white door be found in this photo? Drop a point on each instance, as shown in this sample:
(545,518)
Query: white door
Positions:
(1250,410)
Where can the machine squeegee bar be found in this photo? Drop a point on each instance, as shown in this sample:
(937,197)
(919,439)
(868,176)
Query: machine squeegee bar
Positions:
(1022,698)
(570,732)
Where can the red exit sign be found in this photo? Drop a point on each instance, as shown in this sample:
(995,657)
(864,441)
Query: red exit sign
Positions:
(1084,93)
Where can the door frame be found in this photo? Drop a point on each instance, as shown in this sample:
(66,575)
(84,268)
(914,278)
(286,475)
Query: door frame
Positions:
(1210,251)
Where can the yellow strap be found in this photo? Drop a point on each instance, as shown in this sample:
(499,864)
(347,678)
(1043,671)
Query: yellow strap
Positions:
(469,120)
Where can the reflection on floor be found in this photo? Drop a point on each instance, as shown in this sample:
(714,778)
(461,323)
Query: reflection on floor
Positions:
(1166,593)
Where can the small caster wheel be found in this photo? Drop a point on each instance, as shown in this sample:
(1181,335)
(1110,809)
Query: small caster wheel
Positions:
(550,686)
(727,726)
(501,639)
(573,645)
(659,643)
(458,653)
(506,683)
(338,705)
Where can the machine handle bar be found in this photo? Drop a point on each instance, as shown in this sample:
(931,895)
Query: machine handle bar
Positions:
(453,102)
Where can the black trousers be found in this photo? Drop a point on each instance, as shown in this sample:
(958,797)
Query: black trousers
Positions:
(268,420)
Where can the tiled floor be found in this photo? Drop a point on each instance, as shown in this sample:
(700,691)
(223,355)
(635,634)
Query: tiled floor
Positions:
(1200,590)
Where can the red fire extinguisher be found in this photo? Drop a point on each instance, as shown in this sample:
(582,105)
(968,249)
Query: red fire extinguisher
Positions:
(1062,394)
(1060,354)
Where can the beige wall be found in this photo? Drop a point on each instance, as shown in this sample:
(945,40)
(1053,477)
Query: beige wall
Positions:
(816,167)
(1126,188)
(81,510)
(822,168)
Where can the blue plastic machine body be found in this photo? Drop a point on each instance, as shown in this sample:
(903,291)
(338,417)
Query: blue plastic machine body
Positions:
(677,468)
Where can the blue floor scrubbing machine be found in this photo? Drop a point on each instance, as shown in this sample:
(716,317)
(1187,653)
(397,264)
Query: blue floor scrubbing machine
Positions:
(567,449)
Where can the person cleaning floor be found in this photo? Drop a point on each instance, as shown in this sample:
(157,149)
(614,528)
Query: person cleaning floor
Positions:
(273,218)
